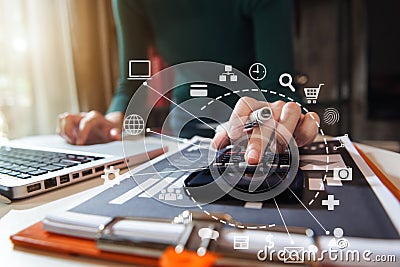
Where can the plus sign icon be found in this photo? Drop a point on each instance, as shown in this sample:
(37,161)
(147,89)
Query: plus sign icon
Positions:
(331,202)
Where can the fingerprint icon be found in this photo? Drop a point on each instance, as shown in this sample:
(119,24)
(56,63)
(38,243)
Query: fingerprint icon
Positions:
(331,116)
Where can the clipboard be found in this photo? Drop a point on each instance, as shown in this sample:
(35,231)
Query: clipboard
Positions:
(384,179)
(35,237)
(192,248)
(189,250)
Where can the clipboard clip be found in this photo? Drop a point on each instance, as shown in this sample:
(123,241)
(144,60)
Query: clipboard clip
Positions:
(197,237)
(197,232)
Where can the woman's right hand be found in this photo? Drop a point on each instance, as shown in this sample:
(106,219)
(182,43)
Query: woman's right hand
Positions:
(88,128)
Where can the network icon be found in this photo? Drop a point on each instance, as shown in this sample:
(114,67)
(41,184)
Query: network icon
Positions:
(228,73)
(133,124)
(170,194)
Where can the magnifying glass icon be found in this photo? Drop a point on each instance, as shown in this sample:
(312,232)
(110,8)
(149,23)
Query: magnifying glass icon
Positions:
(289,81)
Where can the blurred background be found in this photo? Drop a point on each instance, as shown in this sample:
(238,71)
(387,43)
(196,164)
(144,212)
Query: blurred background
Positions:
(62,55)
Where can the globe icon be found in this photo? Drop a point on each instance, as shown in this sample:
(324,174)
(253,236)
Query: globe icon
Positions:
(133,124)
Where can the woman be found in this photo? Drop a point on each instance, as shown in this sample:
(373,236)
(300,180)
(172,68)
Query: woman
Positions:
(233,32)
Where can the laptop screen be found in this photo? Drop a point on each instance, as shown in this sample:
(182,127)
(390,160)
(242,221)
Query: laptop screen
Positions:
(139,68)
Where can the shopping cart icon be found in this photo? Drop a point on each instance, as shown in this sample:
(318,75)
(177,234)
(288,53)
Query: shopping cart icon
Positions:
(312,93)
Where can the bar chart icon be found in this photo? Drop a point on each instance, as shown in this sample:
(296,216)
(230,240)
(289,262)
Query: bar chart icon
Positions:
(198,90)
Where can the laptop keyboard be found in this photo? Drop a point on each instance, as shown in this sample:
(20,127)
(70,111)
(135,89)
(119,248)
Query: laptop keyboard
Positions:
(25,163)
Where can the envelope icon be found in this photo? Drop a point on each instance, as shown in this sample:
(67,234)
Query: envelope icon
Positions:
(293,255)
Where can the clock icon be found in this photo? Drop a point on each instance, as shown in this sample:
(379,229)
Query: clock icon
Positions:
(257,71)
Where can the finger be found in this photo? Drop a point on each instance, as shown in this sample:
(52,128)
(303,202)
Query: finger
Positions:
(92,121)
(241,113)
(68,126)
(115,134)
(266,131)
(220,140)
(277,109)
(259,139)
(288,121)
(307,130)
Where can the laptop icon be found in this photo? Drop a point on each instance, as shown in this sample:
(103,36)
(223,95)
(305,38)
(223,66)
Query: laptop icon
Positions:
(139,69)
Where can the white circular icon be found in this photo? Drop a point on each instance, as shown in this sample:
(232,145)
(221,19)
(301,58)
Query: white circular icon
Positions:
(257,71)
(343,173)
(133,124)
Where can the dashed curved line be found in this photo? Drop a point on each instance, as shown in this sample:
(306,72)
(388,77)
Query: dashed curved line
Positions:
(320,130)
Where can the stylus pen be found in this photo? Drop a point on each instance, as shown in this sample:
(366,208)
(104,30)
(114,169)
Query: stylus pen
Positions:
(258,117)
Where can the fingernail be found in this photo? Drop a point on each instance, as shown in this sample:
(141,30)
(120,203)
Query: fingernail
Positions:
(252,154)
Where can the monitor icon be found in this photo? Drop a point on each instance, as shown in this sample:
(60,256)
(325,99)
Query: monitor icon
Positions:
(139,69)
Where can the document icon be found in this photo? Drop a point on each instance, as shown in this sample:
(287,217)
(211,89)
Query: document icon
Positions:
(241,242)
(293,255)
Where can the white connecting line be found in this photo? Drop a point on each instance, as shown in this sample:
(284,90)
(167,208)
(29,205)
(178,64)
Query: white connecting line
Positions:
(195,117)
(312,215)
(284,223)
(146,84)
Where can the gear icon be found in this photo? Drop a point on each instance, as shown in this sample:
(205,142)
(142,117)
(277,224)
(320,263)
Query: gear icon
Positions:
(106,176)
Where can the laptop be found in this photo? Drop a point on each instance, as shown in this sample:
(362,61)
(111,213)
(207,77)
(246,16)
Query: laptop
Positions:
(27,170)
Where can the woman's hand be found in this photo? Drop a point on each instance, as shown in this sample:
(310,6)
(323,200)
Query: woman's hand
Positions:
(88,128)
(287,115)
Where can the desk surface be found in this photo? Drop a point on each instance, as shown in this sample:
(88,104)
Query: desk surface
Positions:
(23,213)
